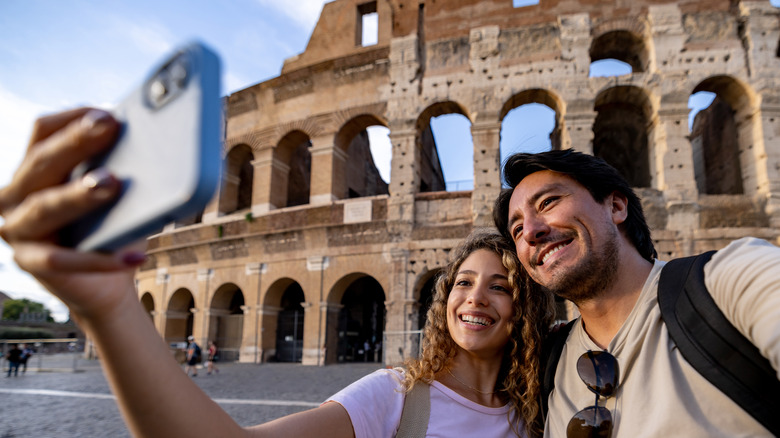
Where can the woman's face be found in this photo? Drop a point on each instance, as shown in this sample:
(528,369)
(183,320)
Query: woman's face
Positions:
(479,308)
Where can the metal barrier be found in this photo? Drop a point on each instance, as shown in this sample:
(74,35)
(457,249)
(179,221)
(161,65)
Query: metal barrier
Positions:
(48,354)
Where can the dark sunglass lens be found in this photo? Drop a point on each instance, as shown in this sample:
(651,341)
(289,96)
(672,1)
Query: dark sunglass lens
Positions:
(599,370)
(590,422)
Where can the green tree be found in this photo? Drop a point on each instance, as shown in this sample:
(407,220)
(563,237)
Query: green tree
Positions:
(12,309)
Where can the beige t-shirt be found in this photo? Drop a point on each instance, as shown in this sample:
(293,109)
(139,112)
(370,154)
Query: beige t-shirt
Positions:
(660,394)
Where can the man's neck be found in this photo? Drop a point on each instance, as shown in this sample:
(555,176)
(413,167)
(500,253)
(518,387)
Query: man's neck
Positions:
(605,314)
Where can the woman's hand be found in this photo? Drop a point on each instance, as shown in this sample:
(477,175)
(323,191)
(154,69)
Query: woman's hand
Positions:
(40,200)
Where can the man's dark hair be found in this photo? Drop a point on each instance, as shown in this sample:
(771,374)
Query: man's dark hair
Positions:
(595,174)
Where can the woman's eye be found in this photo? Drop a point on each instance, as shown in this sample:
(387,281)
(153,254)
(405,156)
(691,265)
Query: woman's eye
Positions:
(462,283)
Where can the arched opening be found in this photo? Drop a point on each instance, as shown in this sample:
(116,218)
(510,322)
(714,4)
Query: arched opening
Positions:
(361,173)
(621,132)
(178,317)
(621,46)
(446,149)
(291,182)
(148,302)
(721,136)
(361,322)
(289,326)
(530,122)
(237,181)
(226,321)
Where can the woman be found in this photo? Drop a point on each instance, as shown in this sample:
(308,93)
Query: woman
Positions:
(483,333)
(211,358)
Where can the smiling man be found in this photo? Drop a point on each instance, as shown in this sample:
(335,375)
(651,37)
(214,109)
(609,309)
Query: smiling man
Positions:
(580,232)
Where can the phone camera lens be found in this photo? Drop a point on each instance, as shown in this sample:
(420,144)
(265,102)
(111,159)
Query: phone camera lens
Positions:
(158,90)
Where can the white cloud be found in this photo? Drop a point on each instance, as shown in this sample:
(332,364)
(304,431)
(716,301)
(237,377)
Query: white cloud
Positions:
(16,119)
(303,12)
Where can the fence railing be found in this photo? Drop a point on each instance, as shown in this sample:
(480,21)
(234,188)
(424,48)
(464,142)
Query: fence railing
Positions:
(65,354)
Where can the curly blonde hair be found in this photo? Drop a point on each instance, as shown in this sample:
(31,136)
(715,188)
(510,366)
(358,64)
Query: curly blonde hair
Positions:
(519,377)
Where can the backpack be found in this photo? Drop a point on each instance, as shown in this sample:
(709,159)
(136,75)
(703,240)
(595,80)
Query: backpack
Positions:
(705,338)
(198,353)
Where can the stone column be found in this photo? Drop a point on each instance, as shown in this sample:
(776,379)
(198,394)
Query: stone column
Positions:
(397,346)
(770,127)
(578,134)
(487,171)
(404,178)
(251,346)
(328,171)
(269,183)
(315,317)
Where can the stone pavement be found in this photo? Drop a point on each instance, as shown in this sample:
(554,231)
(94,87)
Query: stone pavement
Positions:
(58,402)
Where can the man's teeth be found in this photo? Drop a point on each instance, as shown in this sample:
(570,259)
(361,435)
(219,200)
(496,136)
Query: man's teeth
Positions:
(475,320)
(553,251)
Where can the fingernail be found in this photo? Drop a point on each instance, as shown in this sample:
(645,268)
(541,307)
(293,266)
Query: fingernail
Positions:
(100,182)
(95,122)
(98,178)
(133,258)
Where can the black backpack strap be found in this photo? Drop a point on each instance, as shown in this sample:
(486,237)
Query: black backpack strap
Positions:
(551,354)
(712,345)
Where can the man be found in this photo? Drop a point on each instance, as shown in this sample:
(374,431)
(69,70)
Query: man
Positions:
(193,356)
(14,358)
(580,232)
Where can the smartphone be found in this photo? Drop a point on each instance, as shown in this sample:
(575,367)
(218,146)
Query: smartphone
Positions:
(167,156)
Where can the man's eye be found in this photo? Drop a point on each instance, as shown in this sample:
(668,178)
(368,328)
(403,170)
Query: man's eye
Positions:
(516,231)
(547,201)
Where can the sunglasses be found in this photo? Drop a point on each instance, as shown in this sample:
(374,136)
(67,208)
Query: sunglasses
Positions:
(600,372)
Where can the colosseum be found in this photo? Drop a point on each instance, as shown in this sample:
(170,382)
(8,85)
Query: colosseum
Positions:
(306,254)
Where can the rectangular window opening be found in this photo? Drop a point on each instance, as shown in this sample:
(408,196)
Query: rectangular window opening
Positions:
(367,24)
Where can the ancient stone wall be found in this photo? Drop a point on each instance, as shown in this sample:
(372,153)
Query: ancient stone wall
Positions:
(296,234)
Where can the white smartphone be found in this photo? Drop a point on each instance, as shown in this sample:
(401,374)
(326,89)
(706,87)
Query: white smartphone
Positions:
(168,155)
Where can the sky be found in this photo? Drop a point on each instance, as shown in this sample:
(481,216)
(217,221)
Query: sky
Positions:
(58,55)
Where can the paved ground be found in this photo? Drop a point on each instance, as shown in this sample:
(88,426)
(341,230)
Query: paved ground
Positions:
(57,402)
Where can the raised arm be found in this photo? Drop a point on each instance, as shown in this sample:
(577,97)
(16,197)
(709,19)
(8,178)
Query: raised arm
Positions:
(99,289)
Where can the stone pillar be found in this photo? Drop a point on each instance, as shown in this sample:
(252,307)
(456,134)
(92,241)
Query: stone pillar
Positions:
(315,317)
(330,313)
(251,347)
(578,134)
(487,171)
(397,346)
(404,178)
(575,41)
(269,183)
(328,171)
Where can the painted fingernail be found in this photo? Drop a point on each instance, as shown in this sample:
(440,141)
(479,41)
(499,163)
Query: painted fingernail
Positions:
(95,122)
(98,178)
(133,258)
(100,182)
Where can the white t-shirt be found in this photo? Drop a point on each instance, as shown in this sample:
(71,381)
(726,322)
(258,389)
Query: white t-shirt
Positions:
(659,392)
(375,403)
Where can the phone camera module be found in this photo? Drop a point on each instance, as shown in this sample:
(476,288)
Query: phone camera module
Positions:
(168,82)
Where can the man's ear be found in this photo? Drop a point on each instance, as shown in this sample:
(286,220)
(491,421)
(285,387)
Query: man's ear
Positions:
(619,207)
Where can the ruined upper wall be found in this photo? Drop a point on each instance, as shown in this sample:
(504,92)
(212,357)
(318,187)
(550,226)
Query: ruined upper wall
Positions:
(335,35)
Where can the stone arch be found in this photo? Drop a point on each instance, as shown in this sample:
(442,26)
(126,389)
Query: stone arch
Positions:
(283,321)
(623,44)
(542,97)
(291,181)
(723,137)
(430,173)
(178,316)
(622,131)
(225,323)
(361,177)
(237,180)
(360,300)
(147,300)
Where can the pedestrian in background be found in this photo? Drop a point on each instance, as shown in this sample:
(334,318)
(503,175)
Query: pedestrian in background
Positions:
(211,358)
(27,352)
(193,356)
(14,357)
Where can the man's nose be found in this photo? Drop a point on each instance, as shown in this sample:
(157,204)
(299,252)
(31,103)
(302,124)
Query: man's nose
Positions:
(534,229)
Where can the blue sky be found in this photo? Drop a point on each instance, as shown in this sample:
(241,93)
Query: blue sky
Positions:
(63,54)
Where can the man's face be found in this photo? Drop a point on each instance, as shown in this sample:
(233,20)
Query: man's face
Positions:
(566,240)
